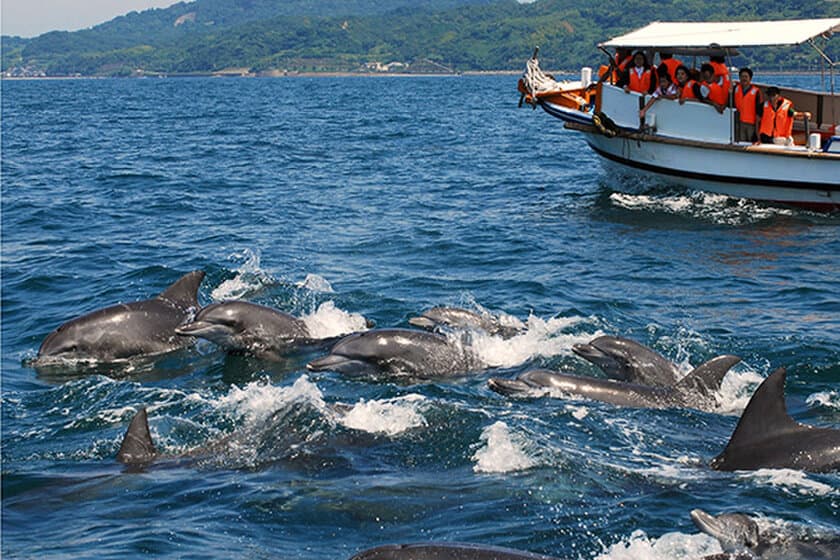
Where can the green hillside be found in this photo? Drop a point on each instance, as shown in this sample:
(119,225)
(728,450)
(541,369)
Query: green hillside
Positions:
(334,35)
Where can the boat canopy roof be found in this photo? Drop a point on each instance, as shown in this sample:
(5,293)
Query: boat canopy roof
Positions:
(712,37)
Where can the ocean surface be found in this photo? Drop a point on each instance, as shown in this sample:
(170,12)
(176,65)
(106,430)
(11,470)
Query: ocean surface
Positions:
(337,199)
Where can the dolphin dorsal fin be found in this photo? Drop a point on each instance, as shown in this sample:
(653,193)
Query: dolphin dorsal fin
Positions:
(137,446)
(706,378)
(766,413)
(184,292)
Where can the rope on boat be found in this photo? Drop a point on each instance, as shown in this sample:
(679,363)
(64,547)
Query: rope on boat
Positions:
(536,81)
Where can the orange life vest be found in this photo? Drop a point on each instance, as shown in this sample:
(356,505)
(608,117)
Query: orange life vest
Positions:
(777,123)
(671,64)
(618,66)
(639,83)
(688,90)
(745,103)
(721,71)
(718,92)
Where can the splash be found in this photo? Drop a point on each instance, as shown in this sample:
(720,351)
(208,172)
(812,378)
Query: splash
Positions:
(390,417)
(670,546)
(540,338)
(792,481)
(736,390)
(502,451)
(260,399)
(329,321)
(828,399)
(316,283)
(249,278)
(717,208)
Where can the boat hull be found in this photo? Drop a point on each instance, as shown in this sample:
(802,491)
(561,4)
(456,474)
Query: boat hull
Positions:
(760,173)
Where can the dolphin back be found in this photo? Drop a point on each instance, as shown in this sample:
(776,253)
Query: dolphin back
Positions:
(705,379)
(137,447)
(184,292)
(767,436)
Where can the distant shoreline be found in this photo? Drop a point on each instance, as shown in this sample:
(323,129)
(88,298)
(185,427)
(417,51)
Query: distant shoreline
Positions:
(272,75)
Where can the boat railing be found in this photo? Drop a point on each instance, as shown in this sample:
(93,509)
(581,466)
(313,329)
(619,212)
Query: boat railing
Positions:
(690,121)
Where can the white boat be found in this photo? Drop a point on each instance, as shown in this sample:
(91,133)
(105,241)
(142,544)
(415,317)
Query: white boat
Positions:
(692,144)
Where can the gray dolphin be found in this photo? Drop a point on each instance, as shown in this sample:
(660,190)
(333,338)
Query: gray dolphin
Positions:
(627,360)
(740,537)
(445,551)
(126,330)
(457,318)
(239,326)
(767,437)
(695,390)
(418,353)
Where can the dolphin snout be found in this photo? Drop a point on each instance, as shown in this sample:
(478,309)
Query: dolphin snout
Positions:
(587,351)
(196,328)
(422,322)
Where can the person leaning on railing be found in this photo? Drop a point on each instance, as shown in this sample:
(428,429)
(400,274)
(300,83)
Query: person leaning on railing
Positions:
(777,118)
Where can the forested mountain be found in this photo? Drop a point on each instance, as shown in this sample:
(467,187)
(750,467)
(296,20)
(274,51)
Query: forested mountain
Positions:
(346,35)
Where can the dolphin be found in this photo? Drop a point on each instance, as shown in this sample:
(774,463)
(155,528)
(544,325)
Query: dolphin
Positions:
(126,330)
(457,318)
(740,537)
(767,437)
(445,551)
(627,360)
(137,448)
(695,390)
(418,353)
(239,326)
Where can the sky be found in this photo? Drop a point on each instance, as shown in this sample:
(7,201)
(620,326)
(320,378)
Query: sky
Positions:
(28,18)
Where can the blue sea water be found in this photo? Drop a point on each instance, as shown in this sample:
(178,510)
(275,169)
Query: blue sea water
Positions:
(335,198)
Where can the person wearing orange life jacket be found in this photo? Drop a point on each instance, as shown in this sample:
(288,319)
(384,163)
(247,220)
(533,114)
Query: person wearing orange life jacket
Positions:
(721,72)
(706,91)
(622,58)
(638,76)
(685,84)
(777,119)
(748,101)
(667,63)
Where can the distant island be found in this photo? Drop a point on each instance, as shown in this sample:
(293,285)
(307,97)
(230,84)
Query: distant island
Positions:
(270,38)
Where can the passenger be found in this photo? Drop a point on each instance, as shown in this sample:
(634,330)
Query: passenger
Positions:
(638,77)
(667,89)
(691,89)
(748,102)
(668,63)
(623,57)
(721,72)
(716,93)
(777,119)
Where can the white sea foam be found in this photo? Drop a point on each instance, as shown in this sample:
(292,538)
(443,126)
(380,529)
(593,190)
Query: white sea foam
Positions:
(717,208)
(793,481)
(316,283)
(502,451)
(260,399)
(249,278)
(828,399)
(540,338)
(736,390)
(328,321)
(390,417)
(670,546)
(578,412)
